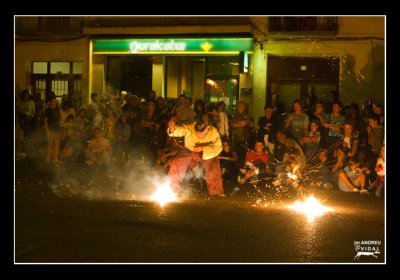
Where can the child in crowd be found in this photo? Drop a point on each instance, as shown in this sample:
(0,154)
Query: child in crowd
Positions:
(379,184)
(256,164)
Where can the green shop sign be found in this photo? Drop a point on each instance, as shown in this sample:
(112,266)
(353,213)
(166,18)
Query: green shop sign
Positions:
(172,45)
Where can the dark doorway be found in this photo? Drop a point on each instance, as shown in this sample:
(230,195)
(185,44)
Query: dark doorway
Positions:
(132,74)
(289,78)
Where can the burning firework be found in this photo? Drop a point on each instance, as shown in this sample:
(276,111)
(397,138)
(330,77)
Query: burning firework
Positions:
(311,207)
(164,194)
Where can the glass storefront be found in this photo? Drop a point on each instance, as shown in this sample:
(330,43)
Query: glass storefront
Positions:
(201,68)
(211,79)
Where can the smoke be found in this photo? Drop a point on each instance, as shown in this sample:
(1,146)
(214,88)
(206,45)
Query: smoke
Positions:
(136,181)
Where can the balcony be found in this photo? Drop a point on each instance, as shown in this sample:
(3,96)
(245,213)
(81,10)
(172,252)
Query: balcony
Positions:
(25,26)
(327,26)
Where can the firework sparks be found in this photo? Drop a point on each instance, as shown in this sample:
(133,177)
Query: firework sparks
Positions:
(164,194)
(292,176)
(311,207)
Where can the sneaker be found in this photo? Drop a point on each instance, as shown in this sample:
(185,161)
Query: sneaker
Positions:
(221,195)
(241,180)
(364,191)
(56,161)
(355,190)
(253,180)
(328,186)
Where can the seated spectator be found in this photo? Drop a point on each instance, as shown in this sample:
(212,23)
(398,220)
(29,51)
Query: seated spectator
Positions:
(324,176)
(350,139)
(256,164)
(228,162)
(301,157)
(379,184)
(291,160)
(352,178)
(99,150)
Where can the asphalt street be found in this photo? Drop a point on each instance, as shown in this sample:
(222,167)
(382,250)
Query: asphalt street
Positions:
(86,217)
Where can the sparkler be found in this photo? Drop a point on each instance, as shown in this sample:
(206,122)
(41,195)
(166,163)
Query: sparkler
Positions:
(311,207)
(164,194)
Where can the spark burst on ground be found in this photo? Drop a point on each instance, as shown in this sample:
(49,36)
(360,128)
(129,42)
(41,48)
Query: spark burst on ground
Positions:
(311,207)
(164,194)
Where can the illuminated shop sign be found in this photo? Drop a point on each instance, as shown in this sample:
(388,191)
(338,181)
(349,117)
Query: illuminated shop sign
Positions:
(176,45)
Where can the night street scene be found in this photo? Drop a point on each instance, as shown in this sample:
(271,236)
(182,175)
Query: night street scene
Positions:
(199,140)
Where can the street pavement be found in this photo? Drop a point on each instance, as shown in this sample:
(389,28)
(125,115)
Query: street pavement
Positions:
(75,214)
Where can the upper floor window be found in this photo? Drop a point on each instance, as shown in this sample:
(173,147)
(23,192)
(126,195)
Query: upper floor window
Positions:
(54,24)
(302,24)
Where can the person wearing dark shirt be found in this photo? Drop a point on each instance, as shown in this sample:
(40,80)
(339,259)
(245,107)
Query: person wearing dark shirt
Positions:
(228,162)
(52,128)
(268,125)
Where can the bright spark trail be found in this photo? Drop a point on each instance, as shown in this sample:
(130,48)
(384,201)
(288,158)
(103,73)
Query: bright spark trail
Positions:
(311,207)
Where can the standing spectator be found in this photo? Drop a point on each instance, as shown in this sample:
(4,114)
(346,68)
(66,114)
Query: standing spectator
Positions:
(277,105)
(146,132)
(152,96)
(223,120)
(212,115)
(110,125)
(309,102)
(228,163)
(183,111)
(359,129)
(297,122)
(52,127)
(350,140)
(26,112)
(240,130)
(199,109)
(161,110)
(334,124)
(123,135)
(333,98)
(268,126)
(375,134)
(320,115)
(95,112)
(311,141)
(378,110)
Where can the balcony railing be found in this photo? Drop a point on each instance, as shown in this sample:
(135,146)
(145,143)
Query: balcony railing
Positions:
(303,24)
(46,25)
(54,24)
